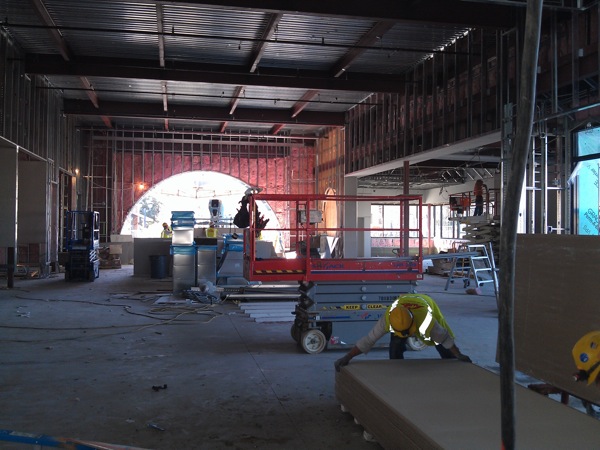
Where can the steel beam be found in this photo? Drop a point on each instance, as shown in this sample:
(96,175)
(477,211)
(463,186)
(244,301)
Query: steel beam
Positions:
(437,12)
(217,74)
(190,112)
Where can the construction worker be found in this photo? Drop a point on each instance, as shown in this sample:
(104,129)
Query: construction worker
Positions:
(166,232)
(410,315)
(478,192)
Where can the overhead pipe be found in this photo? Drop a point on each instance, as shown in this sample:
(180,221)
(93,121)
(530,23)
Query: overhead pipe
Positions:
(172,34)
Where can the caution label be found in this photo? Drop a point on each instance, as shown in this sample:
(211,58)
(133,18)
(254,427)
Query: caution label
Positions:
(375,306)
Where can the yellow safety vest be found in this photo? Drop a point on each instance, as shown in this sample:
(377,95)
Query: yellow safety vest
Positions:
(425,311)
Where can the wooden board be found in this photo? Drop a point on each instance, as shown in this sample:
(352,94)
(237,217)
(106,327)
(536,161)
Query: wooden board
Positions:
(448,404)
(556,302)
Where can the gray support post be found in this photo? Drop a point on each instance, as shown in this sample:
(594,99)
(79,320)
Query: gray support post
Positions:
(510,212)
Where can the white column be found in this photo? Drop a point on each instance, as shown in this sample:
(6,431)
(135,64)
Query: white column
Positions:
(350,238)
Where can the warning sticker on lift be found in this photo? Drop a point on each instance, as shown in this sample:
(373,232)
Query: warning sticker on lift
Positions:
(364,306)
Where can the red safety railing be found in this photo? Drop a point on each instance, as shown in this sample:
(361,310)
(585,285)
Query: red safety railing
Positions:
(352,258)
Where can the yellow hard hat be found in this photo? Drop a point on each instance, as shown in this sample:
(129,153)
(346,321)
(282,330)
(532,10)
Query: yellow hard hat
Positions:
(402,321)
(586,354)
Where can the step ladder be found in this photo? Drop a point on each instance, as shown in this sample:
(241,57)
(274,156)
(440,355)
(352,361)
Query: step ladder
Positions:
(461,269)
(480,266)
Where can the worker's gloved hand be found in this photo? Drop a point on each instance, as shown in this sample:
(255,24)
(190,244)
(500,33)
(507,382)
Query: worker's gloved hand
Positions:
(463,358)
(342,362)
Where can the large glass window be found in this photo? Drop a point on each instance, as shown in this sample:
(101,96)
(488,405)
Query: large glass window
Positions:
(586,172)
(451,229)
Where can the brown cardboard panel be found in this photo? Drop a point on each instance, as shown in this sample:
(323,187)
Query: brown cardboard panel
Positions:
(434,404)
(557,282)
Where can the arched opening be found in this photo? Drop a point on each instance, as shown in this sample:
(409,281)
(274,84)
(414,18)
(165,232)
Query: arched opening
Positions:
(192,191)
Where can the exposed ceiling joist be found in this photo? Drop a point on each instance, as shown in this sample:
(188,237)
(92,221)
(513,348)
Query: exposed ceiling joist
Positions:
(55,33)
(161,38)
(266,36)
(66,53)
(304,101)
(342,65)
(457,12)
(217,74)
(192,112)
(368,39)
(237,96)
(276,128)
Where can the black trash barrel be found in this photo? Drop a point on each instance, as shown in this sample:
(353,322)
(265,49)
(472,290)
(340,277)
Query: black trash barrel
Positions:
(158,266)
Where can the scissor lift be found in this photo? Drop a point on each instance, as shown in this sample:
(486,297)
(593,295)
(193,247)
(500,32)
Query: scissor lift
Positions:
(340,297)
(82,240)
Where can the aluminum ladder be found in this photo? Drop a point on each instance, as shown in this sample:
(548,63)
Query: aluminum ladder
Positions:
(483,266)
(480,265)
(461,268)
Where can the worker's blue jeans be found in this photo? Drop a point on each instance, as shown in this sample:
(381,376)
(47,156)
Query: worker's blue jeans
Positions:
(398,347)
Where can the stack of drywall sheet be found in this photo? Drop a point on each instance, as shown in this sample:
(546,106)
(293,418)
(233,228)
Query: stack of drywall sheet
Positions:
(435,404)
(556,303)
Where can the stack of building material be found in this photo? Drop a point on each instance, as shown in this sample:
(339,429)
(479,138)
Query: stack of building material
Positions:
(435,404)
(556,303)
(270,311)
(110,257)
(481,230)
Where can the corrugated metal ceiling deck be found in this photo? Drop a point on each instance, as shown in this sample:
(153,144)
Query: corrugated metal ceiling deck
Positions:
(222,37)
(231,66)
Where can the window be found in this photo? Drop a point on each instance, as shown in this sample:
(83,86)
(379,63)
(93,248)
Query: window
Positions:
(586,173)
(385,220)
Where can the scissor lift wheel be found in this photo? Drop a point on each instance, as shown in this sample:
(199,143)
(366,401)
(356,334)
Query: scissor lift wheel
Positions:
(313,341)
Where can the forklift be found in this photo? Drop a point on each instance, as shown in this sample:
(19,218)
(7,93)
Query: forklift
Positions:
(81,243)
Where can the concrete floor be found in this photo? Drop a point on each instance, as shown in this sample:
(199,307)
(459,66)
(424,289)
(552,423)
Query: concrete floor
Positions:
(80,360)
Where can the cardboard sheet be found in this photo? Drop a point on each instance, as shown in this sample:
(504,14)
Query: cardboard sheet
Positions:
(556,302)
(447,404)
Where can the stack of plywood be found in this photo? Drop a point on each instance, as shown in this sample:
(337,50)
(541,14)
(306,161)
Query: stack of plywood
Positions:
(448,404)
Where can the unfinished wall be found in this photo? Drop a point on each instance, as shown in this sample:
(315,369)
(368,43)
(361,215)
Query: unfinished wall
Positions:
(123,161)
(330,162)
(8,199)
(33,219)
(461,93)
(31,118)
